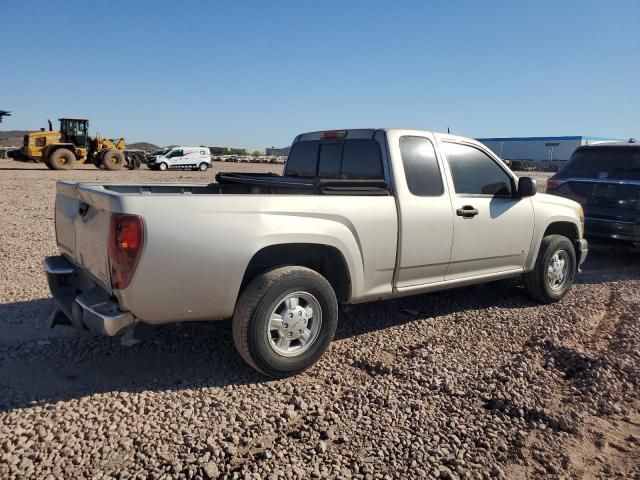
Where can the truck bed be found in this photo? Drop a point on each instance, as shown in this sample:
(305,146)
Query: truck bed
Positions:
(198,239)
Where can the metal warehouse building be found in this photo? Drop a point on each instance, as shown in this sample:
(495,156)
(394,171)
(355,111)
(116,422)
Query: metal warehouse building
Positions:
(538,149)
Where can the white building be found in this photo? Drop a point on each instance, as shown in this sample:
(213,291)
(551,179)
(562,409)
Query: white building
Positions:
(276,152)
(538,149)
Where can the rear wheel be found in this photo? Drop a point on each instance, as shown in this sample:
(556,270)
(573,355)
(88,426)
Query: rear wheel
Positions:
(113,160)
(203,167)
(133,161)
(62,159)
(554,271)
(284,320)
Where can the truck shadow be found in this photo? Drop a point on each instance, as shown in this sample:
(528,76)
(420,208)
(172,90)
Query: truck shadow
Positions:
(41,366)
(374,316)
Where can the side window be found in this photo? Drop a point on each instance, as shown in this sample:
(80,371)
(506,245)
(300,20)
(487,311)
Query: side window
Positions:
(475,172)
(202,152)
(421,167)
(175,153)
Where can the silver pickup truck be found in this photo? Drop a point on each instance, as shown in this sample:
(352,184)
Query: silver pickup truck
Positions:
(358,215)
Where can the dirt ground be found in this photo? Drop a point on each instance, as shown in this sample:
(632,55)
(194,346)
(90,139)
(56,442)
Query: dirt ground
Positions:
(477,382)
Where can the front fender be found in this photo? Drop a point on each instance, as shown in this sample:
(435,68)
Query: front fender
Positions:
(539,234)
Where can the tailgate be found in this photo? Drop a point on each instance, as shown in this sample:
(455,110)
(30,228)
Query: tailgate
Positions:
(83,216)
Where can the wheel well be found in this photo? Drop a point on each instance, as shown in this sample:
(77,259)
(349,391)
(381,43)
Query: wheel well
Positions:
(326,260)
(566,229)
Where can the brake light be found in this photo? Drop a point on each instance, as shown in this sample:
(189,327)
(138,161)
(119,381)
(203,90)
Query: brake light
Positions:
(126,238)
(554,184)
(334,134)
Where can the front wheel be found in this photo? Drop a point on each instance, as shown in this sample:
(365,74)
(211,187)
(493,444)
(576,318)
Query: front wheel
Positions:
(284,320)
(162,166)
(554,271)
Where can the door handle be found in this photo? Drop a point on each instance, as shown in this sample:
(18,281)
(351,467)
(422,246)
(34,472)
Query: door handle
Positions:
(467,211)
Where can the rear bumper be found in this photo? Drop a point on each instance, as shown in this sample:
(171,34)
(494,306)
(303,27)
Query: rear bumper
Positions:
(612,230)
(83,302)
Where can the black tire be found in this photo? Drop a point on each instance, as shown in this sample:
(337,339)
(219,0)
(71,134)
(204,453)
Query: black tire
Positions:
(162,167)
(113,160)
(133,161)
(48,165)
(203,167)
(254,309)
(62,159)
(537,282)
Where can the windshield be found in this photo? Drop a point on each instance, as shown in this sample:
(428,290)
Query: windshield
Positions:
(74,127)
(614,163)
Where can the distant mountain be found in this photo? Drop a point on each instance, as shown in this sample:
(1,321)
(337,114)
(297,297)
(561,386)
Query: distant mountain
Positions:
(13,138)
(142,146)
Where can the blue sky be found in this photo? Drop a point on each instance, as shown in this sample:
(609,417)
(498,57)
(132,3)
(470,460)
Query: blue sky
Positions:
(256,73)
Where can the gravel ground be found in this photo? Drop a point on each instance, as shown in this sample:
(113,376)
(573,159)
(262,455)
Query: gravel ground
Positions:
(473,383)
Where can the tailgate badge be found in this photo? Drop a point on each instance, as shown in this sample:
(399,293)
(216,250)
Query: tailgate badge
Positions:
(603,175)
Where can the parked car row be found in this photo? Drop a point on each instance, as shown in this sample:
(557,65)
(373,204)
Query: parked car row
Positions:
(199,158)
(531,166)
(249,159)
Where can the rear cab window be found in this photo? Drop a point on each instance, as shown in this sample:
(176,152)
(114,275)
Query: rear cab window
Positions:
(353,159)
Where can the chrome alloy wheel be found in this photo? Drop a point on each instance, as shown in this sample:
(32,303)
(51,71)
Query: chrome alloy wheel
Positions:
(558,270)
(294,324)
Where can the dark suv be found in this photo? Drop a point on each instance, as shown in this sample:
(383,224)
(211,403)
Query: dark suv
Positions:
(605,179)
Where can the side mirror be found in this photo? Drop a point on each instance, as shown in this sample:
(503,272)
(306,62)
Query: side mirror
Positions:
(527,187)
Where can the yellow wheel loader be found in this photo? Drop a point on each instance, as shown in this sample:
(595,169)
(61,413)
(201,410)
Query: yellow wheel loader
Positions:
(61,150)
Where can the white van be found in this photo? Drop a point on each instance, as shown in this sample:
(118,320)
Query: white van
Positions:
(183,158)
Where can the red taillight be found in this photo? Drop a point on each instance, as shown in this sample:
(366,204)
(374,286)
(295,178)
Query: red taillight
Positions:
(126,237)
(334,134)
(554,185)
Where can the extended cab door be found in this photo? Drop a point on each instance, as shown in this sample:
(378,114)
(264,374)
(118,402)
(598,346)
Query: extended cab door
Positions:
(424,207)
(492,227)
